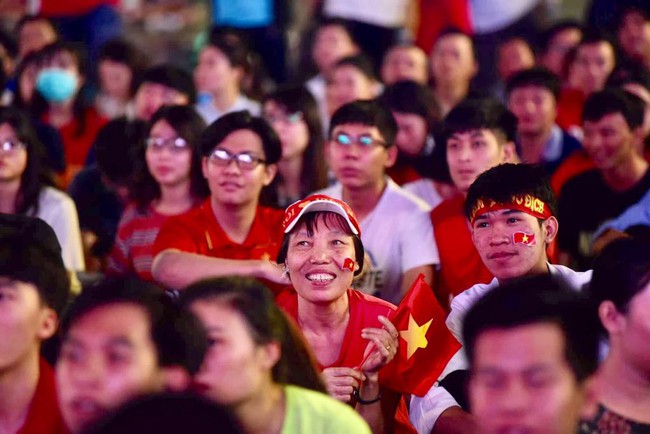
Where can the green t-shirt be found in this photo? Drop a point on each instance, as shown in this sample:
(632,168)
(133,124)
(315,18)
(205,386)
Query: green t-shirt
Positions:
(316,413)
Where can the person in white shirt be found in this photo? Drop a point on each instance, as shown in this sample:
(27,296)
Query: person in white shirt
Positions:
(512,213)
(396,227)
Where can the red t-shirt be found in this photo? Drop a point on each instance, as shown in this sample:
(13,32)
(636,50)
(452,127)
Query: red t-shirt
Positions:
(62,8)
(403,173)
(364,310)
(569,108)
(198,231)
(44,416)
(460,264)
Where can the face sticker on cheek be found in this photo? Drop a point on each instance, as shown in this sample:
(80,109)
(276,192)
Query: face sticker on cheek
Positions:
(524,238)
(348,264)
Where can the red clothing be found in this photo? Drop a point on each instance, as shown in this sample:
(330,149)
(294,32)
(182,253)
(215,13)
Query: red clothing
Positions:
(133,249)
(403,173)
(575,164)
(436,15)
(198,231)
(44,416)
(460,264)
(61,8)
(364,310)
(569,108)
(76,146)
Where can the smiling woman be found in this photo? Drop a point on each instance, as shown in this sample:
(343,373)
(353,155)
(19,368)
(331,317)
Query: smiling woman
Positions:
(348,330)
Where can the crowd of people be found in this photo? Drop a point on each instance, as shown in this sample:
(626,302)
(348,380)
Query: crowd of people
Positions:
(233,244)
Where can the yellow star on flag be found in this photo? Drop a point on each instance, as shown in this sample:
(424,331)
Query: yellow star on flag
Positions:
(525,239)
(415,336)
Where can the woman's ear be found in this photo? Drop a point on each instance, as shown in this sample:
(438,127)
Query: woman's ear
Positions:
(271,354)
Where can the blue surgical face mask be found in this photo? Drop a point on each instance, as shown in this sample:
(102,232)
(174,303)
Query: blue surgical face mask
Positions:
(56,85)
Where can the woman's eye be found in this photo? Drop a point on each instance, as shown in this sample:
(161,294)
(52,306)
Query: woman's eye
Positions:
(513,220)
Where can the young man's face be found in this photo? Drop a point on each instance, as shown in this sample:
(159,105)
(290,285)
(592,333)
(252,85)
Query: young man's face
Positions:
(452,60)
(593,64)
(332,43)
(522,382)
(609,141)
(634,35)
(24,322)
(347,84)
(107,358)
(512,243)
(473,152)
(405,63)
(151,96)
(514,56)
(559,46)
(231,182)
(535,108)
(358,166)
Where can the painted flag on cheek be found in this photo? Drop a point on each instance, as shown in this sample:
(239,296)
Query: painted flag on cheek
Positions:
(348,264)
(425,342)
(524,238)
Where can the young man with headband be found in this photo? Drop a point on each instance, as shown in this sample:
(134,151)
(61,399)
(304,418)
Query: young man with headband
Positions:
(512,213)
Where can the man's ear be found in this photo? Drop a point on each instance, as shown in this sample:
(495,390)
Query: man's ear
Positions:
(509,153)
(550,227)
(269,173)
(392,156)
(49,322)
(176,379)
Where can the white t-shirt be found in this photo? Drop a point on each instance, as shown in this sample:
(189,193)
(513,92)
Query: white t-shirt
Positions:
(57,210)
(425,190)
(424,411)
(210,113)
(397,236)
(384,13)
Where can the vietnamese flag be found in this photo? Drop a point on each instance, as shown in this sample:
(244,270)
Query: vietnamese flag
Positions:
(524,238)
(425,342)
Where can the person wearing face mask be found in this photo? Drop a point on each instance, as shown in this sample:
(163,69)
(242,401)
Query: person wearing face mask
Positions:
(60,103)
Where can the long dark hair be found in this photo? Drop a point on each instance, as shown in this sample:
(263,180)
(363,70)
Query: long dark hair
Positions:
(189,125)
(297,99)
(266,323)
(35,176)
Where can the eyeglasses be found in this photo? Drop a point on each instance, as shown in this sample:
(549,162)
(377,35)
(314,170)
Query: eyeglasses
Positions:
(244,160)
(365,140)
(289,119)
(176,145)
(11,146)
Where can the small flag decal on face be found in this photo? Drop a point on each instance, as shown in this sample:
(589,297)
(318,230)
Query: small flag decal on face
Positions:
(524,238)
(348,264)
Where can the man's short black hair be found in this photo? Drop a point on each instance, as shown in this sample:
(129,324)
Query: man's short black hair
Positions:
(534,300)
(179,337)
(368,113)
(537,76)
(336,22)
(360,62)
(611,101)
(406,96)
(481,113)
(629,73)
(218,130)
(621,271)
(547,36)
(592,35)
(455,31)
(502,182)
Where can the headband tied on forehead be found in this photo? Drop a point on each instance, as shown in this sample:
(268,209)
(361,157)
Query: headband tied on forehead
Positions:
(523,202)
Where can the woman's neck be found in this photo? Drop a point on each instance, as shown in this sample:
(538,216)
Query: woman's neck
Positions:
(60,114)
(328,316)
(290,171)
(174,199)
(8,194)
(226,98)
(265,412)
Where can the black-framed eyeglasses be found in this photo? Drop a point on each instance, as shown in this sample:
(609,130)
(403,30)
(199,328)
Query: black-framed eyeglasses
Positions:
(10,146)
(289,118)
(364,140)
(244,160)
(178,144)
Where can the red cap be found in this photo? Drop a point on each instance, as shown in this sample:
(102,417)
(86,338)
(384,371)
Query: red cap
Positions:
(319,202)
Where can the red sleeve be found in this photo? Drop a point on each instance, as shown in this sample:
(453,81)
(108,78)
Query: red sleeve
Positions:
(175,234)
